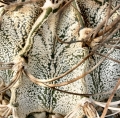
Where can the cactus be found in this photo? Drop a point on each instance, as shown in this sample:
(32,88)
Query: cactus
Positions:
(42,44)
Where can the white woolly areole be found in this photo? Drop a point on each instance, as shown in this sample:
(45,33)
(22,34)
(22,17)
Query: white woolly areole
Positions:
(48,3)
(84,33)
(84,100)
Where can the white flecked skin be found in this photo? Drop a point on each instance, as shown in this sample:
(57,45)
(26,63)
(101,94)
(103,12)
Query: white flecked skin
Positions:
(48,59)
(43,61)
(103,78)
